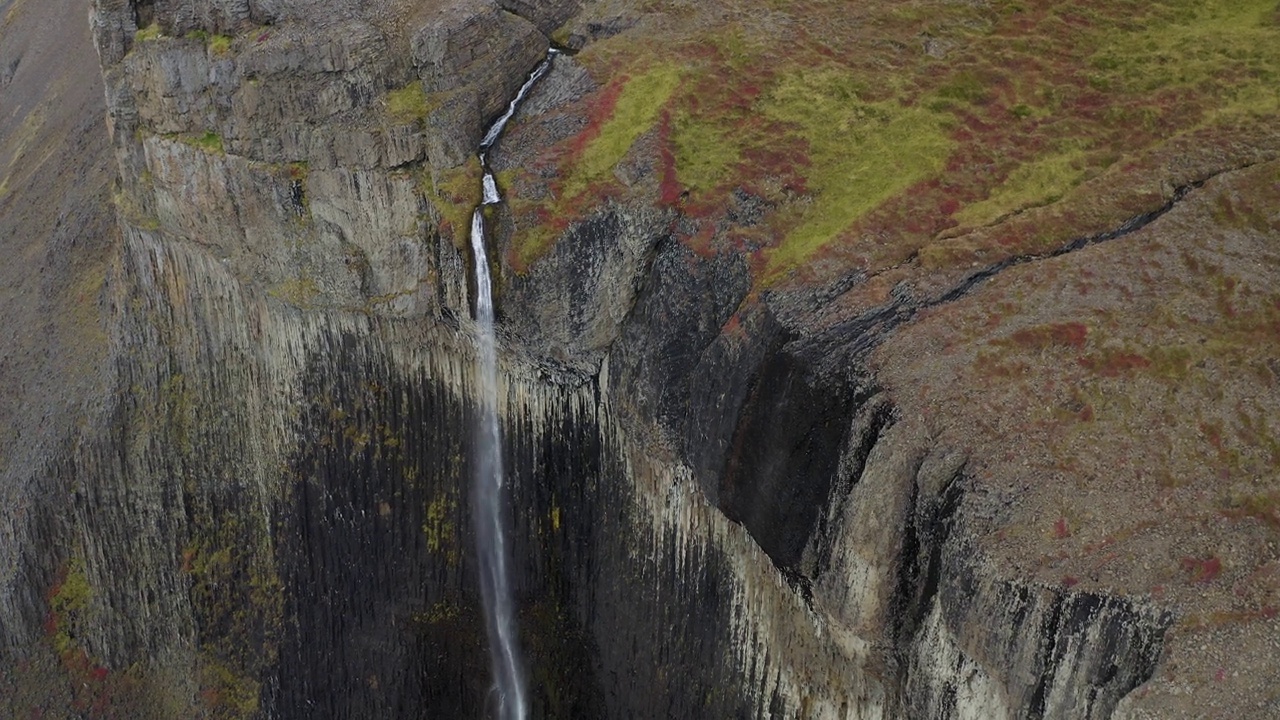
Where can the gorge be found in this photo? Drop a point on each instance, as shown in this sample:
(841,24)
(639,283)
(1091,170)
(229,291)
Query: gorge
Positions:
(838,360)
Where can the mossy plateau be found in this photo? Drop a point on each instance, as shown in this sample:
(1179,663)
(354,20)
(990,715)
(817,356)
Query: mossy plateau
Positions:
(875,133)
(631,109)
(860,154)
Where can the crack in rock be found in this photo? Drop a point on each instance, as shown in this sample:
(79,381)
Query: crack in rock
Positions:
(873,327)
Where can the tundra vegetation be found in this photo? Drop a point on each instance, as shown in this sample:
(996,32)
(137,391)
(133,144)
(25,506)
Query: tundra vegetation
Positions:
(884,133)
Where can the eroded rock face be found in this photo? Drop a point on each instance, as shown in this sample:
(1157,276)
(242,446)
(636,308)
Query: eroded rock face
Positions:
(548,16)
(722,506)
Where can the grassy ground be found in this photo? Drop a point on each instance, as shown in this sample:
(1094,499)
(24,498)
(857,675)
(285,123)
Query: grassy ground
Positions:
(876,133)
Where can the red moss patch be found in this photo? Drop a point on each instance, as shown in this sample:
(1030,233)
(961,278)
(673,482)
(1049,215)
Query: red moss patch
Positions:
(1113,364)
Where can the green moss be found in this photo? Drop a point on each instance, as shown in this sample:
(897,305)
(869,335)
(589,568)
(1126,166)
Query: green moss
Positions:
(229,694)
(964,87)
(860,154)
(703,153)
(441,611)
(1040,182)
(237,599)
(635,113)
(299,292)
(410,103)
(132,212)
(1228,47)
(209,141)
(454,193)
(439,527)
(220,44)
(150,32)
(68,604)
(560,36)
(529,243)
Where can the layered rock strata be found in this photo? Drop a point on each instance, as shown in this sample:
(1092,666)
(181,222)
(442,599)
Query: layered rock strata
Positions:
(721,508)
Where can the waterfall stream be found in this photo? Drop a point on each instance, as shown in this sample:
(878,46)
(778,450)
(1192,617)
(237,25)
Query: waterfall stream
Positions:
(488,498)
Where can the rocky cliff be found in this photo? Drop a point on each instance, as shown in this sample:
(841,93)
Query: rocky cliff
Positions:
(856,361)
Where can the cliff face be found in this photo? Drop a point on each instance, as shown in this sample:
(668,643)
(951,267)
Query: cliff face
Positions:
(919,460)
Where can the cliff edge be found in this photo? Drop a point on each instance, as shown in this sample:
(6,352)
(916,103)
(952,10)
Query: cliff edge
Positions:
(856,361)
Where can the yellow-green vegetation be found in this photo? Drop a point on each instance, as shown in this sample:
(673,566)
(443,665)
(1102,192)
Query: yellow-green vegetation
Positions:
(440,611)
(560,36)
(439,526)
(704,152)
(860,153)
(1039,182)
(963,87)
(410,103)
(1231,43)
(635,112)
(68,604)
(220,44)
(299,292)
(132,213)
(454,193)
(150,32)
(859,159)
(238,598)
(230,695)
(209,141)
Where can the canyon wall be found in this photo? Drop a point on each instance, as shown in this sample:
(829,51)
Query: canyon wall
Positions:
(726,502)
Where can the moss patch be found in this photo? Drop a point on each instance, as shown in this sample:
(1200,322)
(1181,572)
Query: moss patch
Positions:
(635,110)
(704,153)
(410,103)
(208,141)
(299,292)
(439,526)
(454,193)
(1039,182)
(150,32)
(67,605)
(860,154)
(219,44)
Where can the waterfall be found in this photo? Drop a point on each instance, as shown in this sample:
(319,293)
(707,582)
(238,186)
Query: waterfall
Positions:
(488,496)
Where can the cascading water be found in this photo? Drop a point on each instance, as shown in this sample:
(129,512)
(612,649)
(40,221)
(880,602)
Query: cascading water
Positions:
(491,539)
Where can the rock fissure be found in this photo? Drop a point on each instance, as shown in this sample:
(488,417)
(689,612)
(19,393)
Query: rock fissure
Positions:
(1128,227)
(872,327)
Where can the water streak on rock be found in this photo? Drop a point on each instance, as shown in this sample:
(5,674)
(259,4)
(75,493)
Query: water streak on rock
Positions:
(491,540)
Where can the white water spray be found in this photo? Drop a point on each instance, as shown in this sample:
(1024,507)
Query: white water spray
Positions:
(488,498)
